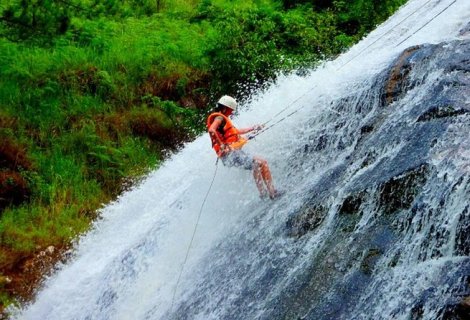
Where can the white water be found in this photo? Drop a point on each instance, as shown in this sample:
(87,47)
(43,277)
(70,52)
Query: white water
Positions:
(128,265)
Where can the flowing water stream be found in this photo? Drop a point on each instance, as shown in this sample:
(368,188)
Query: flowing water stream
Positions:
(375,221)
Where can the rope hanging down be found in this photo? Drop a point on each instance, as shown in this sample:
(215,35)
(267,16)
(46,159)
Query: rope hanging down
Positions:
(192,237)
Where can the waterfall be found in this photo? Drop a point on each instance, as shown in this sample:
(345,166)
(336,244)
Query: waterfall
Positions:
(374,223)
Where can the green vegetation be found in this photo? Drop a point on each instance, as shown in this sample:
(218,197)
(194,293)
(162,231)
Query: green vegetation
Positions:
(94,94)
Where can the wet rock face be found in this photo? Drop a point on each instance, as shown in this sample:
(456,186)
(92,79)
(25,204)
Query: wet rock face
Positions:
(399,192)
(462,243)
(398,80)
(448,98)
(352,203)
(307,219)
(369,261)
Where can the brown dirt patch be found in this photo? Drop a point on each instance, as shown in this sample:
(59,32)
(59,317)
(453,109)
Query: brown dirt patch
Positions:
(151,127)
(187,93)
(164,88)
(13,189)
(24,273)
(13,155)
(85,80)
(8,122)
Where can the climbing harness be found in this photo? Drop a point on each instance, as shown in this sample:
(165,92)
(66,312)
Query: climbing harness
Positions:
(192,237)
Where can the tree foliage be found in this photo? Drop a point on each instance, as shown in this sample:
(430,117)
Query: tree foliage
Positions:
(36,19)
(41,21)
(353,16)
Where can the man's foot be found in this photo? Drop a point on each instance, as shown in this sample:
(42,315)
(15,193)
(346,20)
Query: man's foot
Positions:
(276,194)
(263,195)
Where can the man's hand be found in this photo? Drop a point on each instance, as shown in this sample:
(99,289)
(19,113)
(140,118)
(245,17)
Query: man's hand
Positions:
(257,127)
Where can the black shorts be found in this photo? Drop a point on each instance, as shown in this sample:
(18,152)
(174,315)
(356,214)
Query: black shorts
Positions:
(238,158)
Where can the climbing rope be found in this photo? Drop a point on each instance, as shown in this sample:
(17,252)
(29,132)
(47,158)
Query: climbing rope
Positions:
(252,136)
(289,115)
(427,22)
(192,237)
(289,106)
(303,95)
(384,34)
(272,125)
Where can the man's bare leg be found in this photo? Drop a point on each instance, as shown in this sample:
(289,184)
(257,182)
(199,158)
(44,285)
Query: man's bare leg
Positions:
(257,174)
(265,175)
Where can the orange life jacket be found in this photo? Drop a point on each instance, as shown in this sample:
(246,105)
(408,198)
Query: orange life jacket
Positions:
(228,134)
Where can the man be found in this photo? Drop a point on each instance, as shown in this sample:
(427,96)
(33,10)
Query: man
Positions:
(228,141)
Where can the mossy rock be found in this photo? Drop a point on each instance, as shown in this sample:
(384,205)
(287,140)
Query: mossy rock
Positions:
(369,260)
(441,112)
(352,203)
(307,219)
(399,192)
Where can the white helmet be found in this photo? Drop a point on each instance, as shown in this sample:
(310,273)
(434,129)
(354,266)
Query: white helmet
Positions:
(228,102)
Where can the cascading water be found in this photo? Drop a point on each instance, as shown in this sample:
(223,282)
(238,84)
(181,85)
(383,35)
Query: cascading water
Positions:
(374,223)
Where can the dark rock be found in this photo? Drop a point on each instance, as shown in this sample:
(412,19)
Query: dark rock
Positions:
(441,112)
(321,143)
(309,218)
(399,192)
(463,308)
(370,259)
(459,311)
(13,189)
(465,30)
(462,243)
(370,158)
(367,129)
(417,312)
(351,204)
